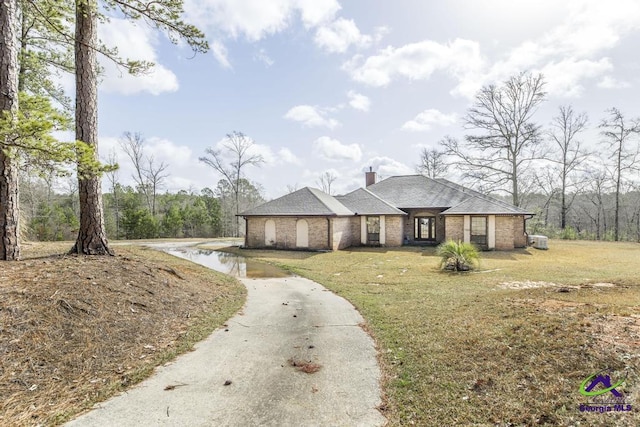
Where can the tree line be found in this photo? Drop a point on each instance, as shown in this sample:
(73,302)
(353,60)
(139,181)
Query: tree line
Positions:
(144,210)
(576,191)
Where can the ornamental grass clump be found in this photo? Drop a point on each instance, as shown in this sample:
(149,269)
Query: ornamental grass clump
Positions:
(458,256)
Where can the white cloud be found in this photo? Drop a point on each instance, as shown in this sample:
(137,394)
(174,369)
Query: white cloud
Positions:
(265,151)
(417,61)
(386,167)
(316,12)
(593,26)
(568,54)
(609,82)
(572,51)
(311,116)
(333,150)
(426,119)
(184,170)
(135,42)
(288,157)
(220,52)
(564,77)
(263,57)
(167,151)
(339,35)
(256,19)
(358,101)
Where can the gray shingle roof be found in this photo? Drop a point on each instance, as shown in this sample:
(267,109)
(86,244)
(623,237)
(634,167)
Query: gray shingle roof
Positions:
(306,201)
(387,198)
(418,191)
(481,205)
(364,202)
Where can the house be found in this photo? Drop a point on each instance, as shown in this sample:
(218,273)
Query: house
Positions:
(399,210)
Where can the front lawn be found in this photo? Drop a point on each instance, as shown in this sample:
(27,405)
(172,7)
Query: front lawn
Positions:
(508,344)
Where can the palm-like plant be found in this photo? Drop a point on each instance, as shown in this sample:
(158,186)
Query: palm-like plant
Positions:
(458,256)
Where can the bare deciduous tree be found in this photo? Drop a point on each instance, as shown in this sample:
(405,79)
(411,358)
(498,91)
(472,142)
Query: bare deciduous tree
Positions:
(113,177)
(238,146)
(621,134)
(147,175)
(566,127)
(155,177)
(326,180)
(595,194)
(432,163)
(508,139)
(133,146)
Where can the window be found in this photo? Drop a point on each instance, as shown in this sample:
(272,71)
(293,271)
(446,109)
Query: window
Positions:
(425,228)
(479,230)
(373,230)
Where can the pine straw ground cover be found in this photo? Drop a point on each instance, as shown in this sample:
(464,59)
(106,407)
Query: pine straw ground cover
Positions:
(76,330)
(508,345)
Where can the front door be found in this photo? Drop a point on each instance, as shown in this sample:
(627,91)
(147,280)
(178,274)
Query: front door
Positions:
(373,230)
(425,228)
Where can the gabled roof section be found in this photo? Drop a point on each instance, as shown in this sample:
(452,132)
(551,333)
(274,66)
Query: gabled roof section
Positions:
(364,202)
(483,205)
(305,202)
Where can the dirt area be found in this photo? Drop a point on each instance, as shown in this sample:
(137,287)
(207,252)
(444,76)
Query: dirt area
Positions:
(75,330)
(532,284)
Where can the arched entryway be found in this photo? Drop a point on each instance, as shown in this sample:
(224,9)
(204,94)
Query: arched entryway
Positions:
(302,233)
(270,232)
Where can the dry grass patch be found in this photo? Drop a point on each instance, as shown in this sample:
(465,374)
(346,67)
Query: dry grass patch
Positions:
(463,349)
(75,330)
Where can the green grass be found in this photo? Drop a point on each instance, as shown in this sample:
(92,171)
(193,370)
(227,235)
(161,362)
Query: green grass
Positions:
(461,349)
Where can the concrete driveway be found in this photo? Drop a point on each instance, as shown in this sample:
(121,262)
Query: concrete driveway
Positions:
(288,326)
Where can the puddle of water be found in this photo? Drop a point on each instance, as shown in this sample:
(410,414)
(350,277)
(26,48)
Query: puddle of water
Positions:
(228,263)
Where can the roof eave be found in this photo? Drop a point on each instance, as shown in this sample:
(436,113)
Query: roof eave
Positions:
(487,213)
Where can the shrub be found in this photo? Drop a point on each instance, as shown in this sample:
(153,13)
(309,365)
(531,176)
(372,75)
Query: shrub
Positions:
(458,256)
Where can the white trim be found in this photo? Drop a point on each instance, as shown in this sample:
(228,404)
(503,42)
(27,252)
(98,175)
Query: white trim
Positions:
(383,230)
(363,230)
(466,235)
(491,232)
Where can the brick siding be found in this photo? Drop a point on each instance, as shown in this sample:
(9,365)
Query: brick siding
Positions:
(454,228)
(393,230)
(286,232)
(504,232)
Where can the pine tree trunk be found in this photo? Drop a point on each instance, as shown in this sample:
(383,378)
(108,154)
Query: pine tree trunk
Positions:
(9,210)
(92,238)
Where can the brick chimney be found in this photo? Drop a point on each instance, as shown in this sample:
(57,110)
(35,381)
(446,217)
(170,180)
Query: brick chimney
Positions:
(370,177)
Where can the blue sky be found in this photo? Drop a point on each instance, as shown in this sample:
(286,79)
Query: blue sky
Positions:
(343,85)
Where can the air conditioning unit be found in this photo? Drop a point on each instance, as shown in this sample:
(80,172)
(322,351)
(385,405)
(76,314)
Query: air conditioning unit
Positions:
(539,242)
